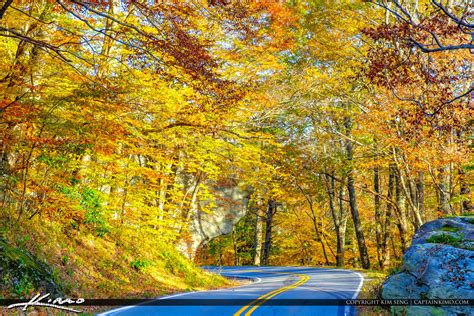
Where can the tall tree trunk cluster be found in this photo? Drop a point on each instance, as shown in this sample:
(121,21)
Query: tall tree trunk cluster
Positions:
(262,248)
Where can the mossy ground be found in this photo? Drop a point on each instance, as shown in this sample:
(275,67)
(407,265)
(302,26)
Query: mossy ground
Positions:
(450,229)
(445,239)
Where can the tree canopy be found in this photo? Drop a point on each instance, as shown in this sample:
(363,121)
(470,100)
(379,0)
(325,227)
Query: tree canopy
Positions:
(346,123)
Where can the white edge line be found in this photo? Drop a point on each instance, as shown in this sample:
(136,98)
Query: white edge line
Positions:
(257,280)
(360,285)
(347,309)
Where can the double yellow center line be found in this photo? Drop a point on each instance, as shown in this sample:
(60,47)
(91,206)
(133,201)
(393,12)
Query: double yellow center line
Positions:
(262,299)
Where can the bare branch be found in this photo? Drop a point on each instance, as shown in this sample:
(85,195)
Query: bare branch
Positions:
(41,44)
(440,48)
(4,7)
(403,15)
(451,16)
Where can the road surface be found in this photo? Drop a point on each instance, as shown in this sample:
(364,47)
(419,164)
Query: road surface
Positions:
(270,283)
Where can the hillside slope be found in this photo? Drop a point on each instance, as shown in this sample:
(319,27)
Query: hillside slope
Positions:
(76,262)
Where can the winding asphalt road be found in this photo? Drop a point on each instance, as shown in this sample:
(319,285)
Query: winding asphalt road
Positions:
(270,283)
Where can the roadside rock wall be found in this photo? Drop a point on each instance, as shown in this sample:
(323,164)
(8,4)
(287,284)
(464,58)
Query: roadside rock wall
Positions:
(438,265)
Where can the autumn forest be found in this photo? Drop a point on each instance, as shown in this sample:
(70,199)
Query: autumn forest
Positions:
(340,127)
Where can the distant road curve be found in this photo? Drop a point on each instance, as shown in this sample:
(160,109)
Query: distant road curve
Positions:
(270,283)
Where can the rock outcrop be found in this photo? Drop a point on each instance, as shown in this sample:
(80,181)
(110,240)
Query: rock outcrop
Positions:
(230,205)
(438,265)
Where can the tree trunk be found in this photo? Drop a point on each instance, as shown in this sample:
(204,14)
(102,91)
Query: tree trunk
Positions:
(258,239)
(401,210)
(465,192)
(387,228)
(339,218)
(407,187)
(4,7)
(4,174)
(329,180)
(319,238)
(268,232)
(420,190)
(341,229)
(408,190)
(378,218)
(234,243)
(443,192)
(364,256)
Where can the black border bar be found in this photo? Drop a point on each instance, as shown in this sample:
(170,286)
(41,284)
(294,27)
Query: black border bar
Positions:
(271,302)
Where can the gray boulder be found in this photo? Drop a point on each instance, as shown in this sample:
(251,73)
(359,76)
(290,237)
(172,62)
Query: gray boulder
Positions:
(438,265)
(462,227)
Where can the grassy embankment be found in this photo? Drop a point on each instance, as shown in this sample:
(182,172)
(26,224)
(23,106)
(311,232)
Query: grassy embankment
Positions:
(373,280)
(48,258)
